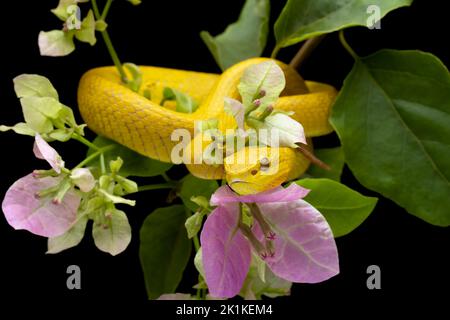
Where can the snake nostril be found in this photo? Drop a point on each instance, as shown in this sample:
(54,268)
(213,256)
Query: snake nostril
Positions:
(254,172)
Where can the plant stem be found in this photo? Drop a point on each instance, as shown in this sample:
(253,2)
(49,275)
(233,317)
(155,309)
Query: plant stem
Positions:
(166,177)
(347,46)
(196,243)
(85,141)
(107,40)
(204,293)
(94,155)
(102,163)
(247,232)
(114,56)
(95,8)
(256,213)
(106,9)
(148,187)
(305,51)
(275,52)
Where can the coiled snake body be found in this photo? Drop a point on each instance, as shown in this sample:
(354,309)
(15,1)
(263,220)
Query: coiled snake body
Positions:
(114,111)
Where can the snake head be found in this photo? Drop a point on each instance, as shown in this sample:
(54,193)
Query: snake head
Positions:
(255,169)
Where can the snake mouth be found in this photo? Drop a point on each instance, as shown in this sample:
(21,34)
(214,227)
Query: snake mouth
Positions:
(243,187)
(234,181)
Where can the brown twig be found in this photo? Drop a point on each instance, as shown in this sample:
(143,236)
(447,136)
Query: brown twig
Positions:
(305,51)
(311,157)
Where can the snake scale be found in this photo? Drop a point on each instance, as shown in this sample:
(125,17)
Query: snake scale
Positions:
(111,109)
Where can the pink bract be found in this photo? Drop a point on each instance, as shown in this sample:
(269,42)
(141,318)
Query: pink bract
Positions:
(226,253)
(304,246)
(24,210)
(42,150)
(302,243)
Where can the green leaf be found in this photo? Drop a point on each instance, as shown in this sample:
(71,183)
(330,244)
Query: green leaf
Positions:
(165,250)
(289,131)
(70,238)
(198,262)
(304,19)
(66,116)
(19,128)
(134,164)
(193,187)
(392,117)
(55,43)
(136,76)
(263,81)
(39,112)
(184,102)
(245,38)
(49,107)
(200,201)
(42,110)
(255,287)
(93,207)
(34,85)
(115,235)
(62,135)
(87,31)
(61,10)
(343,208)
(334,157)
(193,224)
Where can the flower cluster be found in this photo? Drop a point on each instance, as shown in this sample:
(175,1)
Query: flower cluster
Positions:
(57,203)
(256,119)
(60,42)
(286,232)
(260,87)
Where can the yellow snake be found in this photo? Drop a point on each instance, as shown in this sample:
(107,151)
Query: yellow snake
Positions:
(114,111)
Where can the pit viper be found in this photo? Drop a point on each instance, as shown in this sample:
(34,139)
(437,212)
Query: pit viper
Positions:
(112,110)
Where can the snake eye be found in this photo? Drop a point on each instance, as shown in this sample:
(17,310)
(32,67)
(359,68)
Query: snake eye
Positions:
(254,172)
(265,163)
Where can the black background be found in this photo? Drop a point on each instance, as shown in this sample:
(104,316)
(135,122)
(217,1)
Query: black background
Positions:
(412,255)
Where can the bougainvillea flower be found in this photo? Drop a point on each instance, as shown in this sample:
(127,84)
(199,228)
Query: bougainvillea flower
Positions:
(24,209)
(42,150)
(46,206)
(289,234)
(83,179)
